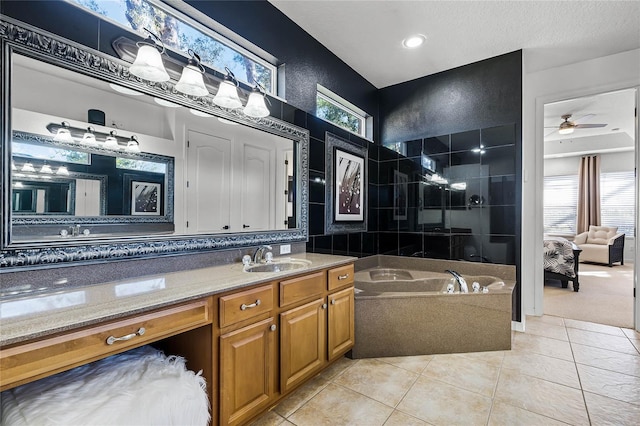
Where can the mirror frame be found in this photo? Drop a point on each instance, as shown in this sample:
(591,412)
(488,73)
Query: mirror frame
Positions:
(21,38)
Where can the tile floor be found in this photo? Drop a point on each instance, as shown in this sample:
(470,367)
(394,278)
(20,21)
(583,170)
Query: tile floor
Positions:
(559,372)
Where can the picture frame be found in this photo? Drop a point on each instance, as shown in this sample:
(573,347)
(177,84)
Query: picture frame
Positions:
(346,186)
(400,195)
(145,198)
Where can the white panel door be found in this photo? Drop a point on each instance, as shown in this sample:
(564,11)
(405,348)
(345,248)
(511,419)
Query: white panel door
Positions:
(257,189)
(87,197)
(208,183)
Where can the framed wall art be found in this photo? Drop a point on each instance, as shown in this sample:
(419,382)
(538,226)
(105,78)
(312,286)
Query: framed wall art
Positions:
(145,198)
(346,191)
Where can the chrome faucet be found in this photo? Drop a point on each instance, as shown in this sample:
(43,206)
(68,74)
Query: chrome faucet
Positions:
(461,282)
(259,254)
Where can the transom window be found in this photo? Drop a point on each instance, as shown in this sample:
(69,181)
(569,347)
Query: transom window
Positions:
(340,112)
(180,33)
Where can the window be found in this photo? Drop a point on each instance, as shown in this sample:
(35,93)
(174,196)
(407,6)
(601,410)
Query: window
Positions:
(180,33)
(617,200)
(145,166)
(338,111)
(560,204)
(50,153)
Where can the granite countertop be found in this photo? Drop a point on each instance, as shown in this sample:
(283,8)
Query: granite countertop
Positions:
(65,308)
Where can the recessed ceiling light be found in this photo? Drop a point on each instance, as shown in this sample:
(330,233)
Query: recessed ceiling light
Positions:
(413,41)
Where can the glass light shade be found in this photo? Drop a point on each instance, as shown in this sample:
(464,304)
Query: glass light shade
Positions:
(18,185)
(46,169)
(89,139)
(62,170)
(63,135)
(111,142)
(256,106)
(191,82)
(28,167)
(565,130)
(148,64)
(227,96)
(133,145)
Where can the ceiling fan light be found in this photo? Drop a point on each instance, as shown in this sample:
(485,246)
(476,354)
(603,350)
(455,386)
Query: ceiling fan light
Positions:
(565,130)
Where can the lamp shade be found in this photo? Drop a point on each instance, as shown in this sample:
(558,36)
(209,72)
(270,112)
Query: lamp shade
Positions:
(565,130)
(133,145)
(111,142)
(191,82)
(62,170)
(148,64)
(89,138)
(63,134)
(255,105)
(46,169)
(227,96)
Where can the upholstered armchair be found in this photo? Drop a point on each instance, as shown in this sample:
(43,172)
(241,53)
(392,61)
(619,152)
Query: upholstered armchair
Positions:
(601,244)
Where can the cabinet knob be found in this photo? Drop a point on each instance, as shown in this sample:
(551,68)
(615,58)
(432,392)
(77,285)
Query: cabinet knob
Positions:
(333,301)
(273,327)
(324,306)
(253,305)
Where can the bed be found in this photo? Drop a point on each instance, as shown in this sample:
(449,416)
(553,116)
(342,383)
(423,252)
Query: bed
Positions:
(561,261)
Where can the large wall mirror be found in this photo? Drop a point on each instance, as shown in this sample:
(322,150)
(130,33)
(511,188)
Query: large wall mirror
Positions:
(94,156)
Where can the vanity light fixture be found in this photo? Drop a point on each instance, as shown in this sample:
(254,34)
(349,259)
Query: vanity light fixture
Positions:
(148,63)
(63,134)
(63,171)
(133,145)
(191,81)
(89,138)
(28,168)
(111,142)
(479,150)
(46,169)
(256,106)
(413,41)
(227,96)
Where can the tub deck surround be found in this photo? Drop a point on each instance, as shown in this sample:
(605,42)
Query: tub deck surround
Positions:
(425,320)
(62,308)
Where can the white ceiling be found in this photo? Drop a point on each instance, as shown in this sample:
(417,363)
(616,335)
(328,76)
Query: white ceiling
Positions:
(368,35)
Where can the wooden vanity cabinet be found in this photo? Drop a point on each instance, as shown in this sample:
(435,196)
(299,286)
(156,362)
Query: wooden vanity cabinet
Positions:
(340,329)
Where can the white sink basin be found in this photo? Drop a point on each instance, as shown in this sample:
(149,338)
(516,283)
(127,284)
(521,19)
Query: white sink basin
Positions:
(278,265)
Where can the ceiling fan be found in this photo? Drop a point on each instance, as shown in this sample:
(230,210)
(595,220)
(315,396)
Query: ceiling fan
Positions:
(567,127)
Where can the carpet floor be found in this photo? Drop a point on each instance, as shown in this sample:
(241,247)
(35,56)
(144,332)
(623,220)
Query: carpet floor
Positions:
(605,296)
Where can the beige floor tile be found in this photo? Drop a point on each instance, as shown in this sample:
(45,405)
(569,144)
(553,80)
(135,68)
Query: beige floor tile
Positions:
(493,358)
(338,367)
(601,340)
(301,395)
(504,414)
(631,334)
(270,418)
(335,405)
(543,367)
(590,326)
(607,411)
(378,380)
(542,345)
(411,363)
(442,404)
(622,387)
(471,374)
(607,360)
(547,319)
(547,330)
(398,418)
(636,344)
(549,399)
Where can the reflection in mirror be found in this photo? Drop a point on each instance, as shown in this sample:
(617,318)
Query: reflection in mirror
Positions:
(92,159)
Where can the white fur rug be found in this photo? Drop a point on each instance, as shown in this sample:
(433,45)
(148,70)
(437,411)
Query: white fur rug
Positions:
(138,387)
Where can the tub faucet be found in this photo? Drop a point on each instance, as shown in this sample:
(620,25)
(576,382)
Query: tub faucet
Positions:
(258,255)
(461,282)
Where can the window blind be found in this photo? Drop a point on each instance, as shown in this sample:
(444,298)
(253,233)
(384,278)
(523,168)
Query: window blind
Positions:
(560,201)
(617,200)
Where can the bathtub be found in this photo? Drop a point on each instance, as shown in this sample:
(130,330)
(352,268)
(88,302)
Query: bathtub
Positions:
(402,307)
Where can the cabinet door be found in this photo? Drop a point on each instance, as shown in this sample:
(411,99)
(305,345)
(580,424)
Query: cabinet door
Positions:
(208,183)
(247,371)
(302,343)
(341,322)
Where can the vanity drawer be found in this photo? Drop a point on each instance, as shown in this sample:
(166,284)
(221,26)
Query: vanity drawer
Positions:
(340,277)
(302,288)
(246,304)
(30,361)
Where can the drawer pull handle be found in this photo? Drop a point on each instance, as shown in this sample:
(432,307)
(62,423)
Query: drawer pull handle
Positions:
(111,340)
(343,277)
(253,305)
